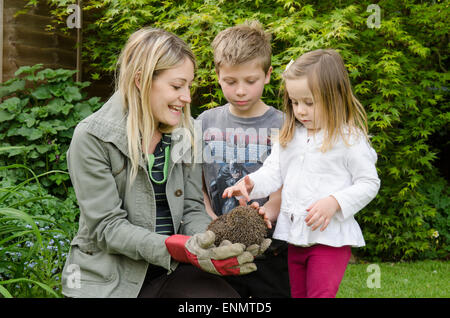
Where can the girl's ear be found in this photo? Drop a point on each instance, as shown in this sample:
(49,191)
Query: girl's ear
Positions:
(269,72)
(137,80)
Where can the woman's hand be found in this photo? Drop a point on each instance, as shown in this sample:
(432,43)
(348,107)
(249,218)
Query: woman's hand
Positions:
(242,188)
(200,251)
(321,212)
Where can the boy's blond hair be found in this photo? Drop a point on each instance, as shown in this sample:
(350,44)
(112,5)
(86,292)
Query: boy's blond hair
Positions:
(242,43)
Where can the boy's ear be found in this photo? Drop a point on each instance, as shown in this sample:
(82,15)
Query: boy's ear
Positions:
(218,75)
(269,72)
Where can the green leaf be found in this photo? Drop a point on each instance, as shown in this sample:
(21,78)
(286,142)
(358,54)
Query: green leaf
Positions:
(7,148)
(28,69)
(43,148)
(72,93)
(26,280)
(5,293)
(47,127)
(83,109)
(5,116)
(12,104)
(55,106)
(30,133)
(42,92)
(12,87)
(27,119)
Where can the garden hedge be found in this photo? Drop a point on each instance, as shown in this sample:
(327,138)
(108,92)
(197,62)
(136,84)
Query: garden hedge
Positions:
(397,68)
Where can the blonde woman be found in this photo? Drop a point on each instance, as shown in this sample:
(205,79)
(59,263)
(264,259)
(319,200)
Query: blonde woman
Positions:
(141,204)
(327,168)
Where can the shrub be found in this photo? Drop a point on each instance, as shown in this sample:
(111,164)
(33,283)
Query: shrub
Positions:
(398,71)
(39,112)
(436,194)
(35,233)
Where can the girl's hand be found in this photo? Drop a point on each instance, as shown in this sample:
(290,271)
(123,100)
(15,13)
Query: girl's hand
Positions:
(242,188)
(321,212)
(258,249)
(261,211)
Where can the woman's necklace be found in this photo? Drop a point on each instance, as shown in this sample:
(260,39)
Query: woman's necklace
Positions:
(151,161)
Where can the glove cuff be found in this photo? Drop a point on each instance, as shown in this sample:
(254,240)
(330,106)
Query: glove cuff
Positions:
(176,246)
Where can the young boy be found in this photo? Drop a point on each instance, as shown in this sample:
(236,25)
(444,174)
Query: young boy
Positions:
(237,139)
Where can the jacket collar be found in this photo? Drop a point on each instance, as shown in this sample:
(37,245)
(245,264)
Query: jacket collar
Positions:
(109,123)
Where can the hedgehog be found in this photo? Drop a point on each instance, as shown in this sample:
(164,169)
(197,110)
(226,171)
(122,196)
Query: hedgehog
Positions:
(243,225)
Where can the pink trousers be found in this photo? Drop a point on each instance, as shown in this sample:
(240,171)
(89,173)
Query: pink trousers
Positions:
(316,271)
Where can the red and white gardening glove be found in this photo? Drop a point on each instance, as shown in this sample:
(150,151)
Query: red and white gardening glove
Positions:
(200,251)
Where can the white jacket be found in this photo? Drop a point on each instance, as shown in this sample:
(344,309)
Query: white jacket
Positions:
(307,175)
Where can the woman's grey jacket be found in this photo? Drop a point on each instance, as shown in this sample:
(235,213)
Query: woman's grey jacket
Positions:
(116,241)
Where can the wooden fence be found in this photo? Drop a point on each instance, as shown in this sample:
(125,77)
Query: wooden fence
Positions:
(26,41)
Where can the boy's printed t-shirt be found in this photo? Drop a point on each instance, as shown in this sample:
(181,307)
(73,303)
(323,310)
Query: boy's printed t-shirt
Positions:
(234,147)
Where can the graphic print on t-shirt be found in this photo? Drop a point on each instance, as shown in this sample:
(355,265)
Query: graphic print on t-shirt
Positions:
(231,155)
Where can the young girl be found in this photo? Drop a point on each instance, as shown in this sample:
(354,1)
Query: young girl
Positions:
(326,166)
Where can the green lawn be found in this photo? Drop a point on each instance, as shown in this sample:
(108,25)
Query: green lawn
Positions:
(424,279)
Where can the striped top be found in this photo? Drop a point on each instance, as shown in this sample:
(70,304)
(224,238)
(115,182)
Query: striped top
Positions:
(164,224)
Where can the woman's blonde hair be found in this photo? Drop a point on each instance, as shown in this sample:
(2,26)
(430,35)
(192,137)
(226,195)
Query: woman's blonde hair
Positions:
(332,93)
(147,53)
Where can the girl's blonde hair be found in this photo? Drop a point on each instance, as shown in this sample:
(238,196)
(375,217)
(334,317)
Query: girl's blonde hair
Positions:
(332,93)
(147,53)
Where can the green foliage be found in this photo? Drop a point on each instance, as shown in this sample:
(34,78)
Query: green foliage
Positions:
(37,117)
(35,233)
(436,193)
(398,71)
(420,279)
